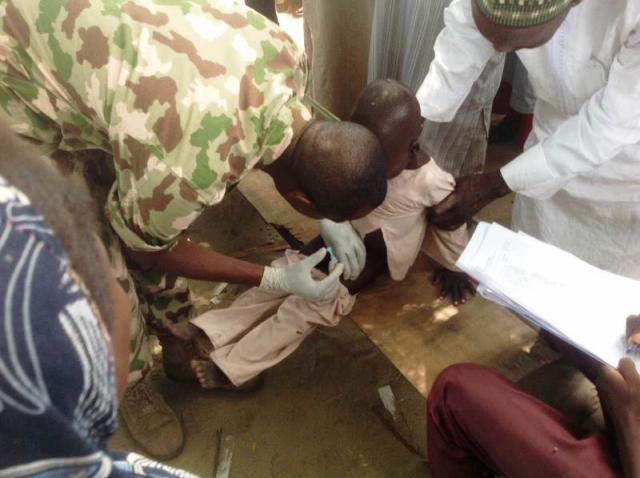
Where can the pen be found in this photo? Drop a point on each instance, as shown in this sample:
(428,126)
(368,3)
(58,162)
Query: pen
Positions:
(631,348)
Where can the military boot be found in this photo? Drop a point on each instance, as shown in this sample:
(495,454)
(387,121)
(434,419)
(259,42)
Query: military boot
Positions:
(151,423)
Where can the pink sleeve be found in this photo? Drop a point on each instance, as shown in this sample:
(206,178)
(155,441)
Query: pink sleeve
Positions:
(444,247)
(436,184)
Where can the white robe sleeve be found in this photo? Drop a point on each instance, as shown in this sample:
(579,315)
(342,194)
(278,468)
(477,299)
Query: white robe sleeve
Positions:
(461,53)
(607,123)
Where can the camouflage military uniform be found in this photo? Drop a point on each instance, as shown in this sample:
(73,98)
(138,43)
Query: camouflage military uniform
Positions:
(184,95)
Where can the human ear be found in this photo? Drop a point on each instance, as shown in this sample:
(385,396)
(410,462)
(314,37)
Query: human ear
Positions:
(302,203)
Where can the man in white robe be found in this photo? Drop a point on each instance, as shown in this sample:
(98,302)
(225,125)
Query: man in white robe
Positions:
(578,181)
(577,185)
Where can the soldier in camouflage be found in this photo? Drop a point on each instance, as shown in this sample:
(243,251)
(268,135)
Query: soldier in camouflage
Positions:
(183,97)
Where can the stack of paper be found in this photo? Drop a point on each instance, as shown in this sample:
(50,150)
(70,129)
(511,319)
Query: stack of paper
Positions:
(555,290)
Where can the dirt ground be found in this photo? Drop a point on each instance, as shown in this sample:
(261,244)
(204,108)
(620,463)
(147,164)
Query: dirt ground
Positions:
(312,418)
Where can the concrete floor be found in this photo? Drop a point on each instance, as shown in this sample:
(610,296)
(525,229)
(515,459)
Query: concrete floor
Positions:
(316,414)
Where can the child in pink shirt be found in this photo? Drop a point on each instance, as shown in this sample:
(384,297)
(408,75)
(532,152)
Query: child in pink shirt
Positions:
(396,231)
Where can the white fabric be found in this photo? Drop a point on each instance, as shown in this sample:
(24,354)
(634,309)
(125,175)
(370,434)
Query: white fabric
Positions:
(402,218)
(461,53)
(586,136)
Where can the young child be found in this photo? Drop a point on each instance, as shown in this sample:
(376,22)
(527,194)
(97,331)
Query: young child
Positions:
(397,230)
(238,343)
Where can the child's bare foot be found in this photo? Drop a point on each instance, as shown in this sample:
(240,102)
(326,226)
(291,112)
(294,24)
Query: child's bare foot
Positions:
(189,332)
(212,378)
(207,373)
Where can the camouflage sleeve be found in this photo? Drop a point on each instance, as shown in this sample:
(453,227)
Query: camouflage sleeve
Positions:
(284,112)
(154,200)
(151,216)
(291,118)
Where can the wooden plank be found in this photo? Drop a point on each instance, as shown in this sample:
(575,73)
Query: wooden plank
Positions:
(421,335)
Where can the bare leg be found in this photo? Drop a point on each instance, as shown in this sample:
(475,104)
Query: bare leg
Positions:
(376,263)
(313,245)
(184,331)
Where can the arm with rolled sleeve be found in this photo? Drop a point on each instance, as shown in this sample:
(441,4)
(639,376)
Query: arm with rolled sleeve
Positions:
(461,53)
(607,123)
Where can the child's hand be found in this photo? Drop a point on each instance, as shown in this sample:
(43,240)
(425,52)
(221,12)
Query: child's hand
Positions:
(454,284)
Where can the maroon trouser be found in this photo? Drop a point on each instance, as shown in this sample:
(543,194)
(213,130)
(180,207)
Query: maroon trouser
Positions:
(479,423)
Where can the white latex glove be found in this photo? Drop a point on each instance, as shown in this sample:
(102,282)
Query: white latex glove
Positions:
(346,245)
(296,279)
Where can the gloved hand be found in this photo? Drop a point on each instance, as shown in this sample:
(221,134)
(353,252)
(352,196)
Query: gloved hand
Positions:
(346,245)
(296,279)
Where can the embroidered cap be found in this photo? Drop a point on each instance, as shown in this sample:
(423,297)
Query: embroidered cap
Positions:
(522,13)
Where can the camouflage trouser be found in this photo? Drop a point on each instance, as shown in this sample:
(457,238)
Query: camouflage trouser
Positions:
(155,300)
